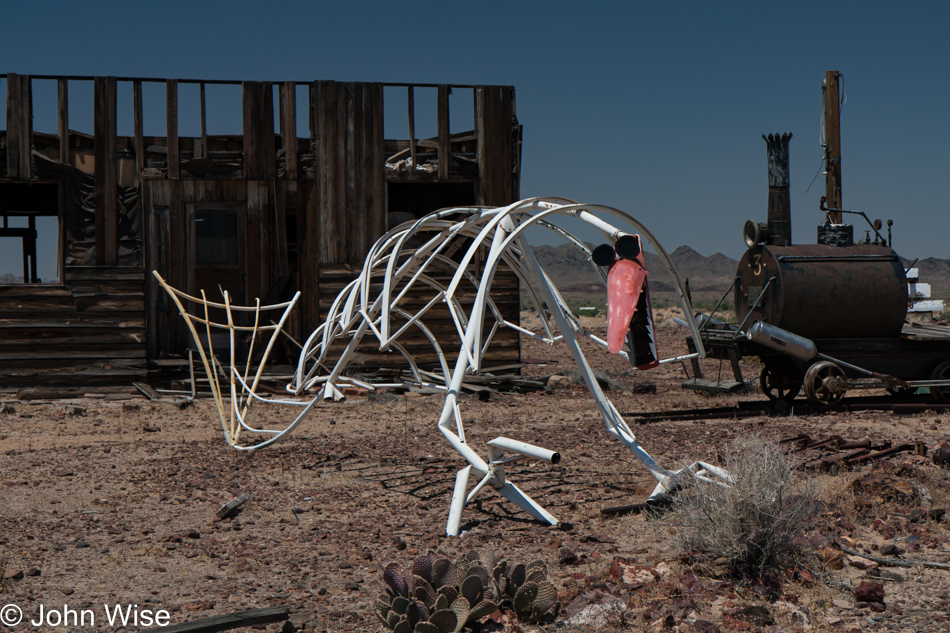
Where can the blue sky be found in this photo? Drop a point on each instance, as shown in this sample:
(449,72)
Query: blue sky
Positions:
(654,108)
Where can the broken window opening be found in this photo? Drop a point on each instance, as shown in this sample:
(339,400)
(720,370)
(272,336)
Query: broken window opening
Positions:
(29,234)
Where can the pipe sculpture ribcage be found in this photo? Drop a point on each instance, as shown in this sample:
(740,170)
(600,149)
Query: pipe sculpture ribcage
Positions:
(435,256)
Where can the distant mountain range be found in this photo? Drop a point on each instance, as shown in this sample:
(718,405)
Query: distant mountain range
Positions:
(707,276)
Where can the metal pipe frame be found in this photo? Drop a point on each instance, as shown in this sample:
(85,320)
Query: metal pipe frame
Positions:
(405,258)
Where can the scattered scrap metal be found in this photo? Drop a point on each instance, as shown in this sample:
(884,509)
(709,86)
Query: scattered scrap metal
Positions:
(855,452)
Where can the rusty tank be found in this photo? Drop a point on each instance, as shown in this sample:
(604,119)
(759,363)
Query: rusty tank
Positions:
(820,291)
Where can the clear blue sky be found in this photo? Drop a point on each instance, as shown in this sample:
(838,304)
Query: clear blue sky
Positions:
(656,108)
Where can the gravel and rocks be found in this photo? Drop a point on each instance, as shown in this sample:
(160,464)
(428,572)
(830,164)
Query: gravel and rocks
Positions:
(106,503)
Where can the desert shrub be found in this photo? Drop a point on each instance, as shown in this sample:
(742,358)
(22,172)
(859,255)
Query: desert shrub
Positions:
(751,526)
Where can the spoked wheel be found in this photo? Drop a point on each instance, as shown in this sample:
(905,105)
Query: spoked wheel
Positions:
(777,386)
(941,372)
(824,384)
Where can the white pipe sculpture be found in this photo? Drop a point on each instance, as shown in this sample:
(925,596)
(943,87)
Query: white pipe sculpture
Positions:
(408,260)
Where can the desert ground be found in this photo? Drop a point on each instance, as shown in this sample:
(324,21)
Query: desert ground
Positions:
(113,501)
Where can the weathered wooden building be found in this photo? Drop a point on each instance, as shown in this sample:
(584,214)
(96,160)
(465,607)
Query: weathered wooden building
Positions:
(260,214)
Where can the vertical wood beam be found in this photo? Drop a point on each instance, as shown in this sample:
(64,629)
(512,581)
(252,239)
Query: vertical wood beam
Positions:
(253,98)
(288,128)
(517,132)
(171,117)
(493,118)
(353,217)
(138,130)
(331,170)
(375,181)
(832,144)
(443,128)
(256,234)
(19,126)
(412,132)
(312,120)
(268,137)
(62,104)
(204,124)
(107,218)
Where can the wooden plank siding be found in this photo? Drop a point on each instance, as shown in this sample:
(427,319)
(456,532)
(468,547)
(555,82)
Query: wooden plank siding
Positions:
(90,330)
(326,187)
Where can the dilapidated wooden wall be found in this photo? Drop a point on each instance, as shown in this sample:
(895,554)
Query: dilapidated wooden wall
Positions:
(308,204)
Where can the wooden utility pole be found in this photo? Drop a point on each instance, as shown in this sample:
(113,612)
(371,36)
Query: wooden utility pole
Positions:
(832,115)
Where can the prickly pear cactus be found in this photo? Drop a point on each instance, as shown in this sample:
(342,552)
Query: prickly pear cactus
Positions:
(440,596)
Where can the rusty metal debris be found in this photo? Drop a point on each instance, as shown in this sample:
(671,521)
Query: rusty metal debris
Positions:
(864,450)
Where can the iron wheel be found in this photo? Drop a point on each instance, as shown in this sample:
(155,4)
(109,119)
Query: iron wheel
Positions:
(823,384)
(941,372)
(779,386)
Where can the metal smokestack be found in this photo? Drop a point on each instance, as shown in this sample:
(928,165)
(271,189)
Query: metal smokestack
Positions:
(780,206)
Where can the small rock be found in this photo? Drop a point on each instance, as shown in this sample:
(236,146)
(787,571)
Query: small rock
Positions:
(8,409)
(844,524)
(754,614)
(861,563)
(566,556)
(942,454)
(869,592)
(705,626)
(351,586)
(841,603)
(81,544)
(13,574)
(891,550)
(33,571)
(150,429)
(560,382)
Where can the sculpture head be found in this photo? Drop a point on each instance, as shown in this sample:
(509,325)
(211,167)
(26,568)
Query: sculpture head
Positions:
(628,294)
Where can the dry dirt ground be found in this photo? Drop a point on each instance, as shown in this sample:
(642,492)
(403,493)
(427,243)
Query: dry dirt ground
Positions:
(108,502)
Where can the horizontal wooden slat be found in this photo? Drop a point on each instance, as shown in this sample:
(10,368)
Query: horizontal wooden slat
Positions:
(103,273)
(73,321)
(112,353)
(63,337)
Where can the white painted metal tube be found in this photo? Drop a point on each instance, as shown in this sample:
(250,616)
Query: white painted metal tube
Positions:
(528,450)
(458,501)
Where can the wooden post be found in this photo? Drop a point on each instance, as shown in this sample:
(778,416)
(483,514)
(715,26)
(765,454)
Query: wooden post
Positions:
(19,126)
(137,124)
(443,127)
(493,116)
(832,114)
(259,159)
(204,125)
(268,138)
(107,216)
(412,132)
(288,128)
(62,99)
(171,118)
